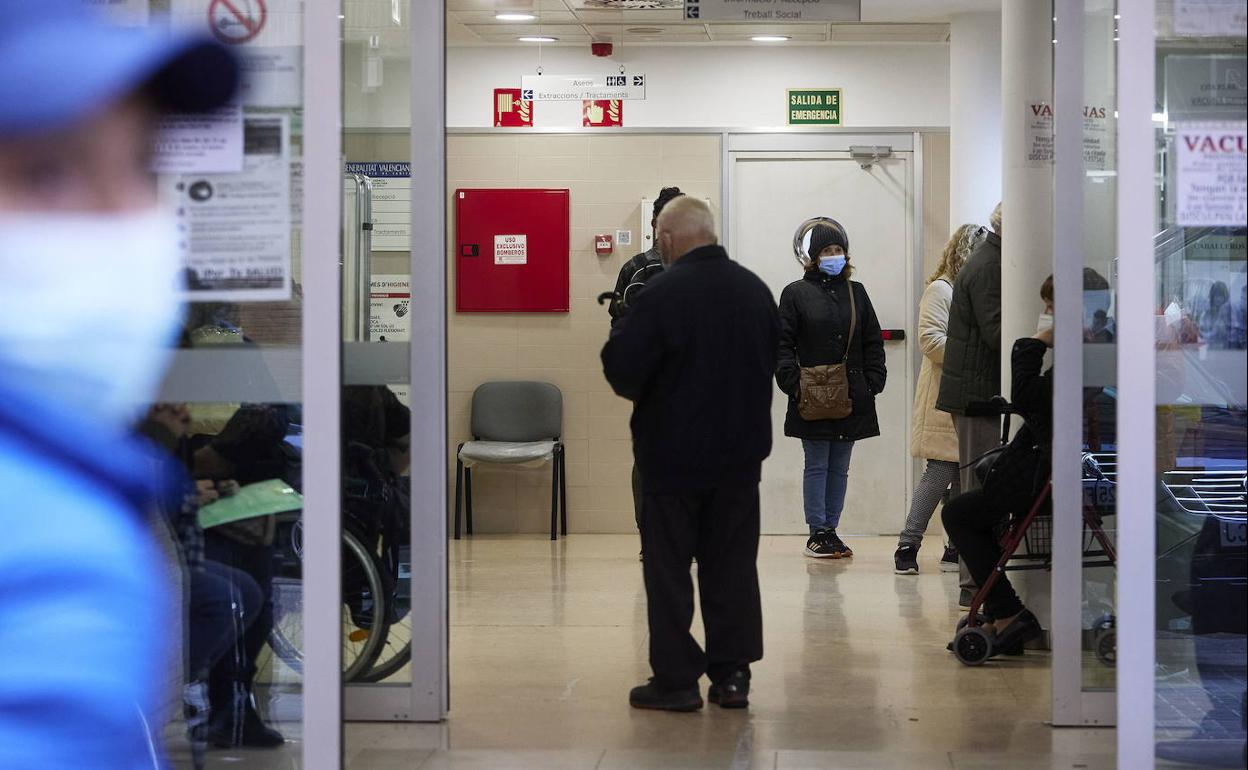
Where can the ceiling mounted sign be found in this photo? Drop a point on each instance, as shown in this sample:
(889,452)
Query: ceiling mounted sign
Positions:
(773,10)
(582,88)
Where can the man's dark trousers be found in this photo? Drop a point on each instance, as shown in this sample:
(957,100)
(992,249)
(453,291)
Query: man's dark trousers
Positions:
(720,528)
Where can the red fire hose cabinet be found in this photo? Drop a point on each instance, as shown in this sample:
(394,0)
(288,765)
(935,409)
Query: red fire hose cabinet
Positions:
(511,251)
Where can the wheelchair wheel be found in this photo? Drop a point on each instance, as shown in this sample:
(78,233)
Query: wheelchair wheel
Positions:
(981,619)
(397,651)
(364,611)
(973,646)
(1106,647)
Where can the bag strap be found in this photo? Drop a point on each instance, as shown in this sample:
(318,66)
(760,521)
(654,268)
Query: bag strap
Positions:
(853,321)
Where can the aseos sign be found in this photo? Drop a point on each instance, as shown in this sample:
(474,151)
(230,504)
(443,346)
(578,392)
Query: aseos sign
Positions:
(1211,175)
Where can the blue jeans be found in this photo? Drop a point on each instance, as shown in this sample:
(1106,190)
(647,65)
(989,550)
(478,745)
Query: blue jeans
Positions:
(824,483)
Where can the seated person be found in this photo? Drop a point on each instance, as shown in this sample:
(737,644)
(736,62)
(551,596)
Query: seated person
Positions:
(972,520)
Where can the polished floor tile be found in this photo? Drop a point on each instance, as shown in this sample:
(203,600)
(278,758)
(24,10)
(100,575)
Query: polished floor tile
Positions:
(547,638)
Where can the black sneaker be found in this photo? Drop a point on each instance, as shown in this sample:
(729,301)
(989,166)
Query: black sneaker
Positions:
(253,733)
(949,562)
(906,560)
(651,696)
(733,692)
(838,544)
(819,546)
(1023,629)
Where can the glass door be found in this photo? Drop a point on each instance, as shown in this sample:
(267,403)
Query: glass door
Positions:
(393,348)
(255,540)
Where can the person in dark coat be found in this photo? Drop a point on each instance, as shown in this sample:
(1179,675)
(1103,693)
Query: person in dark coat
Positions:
(972,370)
(695,355)
(972,518)
(635,273)
(814,327)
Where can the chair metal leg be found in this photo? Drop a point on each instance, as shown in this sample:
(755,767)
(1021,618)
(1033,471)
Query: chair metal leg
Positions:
(468,497)
(563,488)
(554,495)
(459,492)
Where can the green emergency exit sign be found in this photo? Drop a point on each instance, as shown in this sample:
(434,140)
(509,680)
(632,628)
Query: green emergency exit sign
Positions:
(815,107)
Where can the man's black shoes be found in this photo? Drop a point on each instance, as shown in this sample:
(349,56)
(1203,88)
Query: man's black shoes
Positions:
(731,693)
(652,696)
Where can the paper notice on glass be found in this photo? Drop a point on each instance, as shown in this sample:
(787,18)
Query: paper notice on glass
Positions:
(390,299)
(236,228)
(1038,135)
(1217,18)
(208,143)
(1211,175)
(1098,152)
(267,37)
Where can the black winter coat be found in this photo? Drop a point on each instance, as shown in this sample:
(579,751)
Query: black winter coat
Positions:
(814,320)
(972,370)
(695,354)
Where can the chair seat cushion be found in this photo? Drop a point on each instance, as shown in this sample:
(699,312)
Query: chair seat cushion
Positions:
(527,453)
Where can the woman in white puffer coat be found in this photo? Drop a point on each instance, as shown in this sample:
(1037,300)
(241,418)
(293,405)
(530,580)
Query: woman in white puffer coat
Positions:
(932,437)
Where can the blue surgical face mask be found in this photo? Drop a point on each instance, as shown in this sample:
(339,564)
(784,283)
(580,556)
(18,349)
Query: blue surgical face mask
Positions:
(88,308)
(832,265)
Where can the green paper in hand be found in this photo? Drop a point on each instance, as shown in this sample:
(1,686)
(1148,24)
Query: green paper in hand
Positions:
(260,499)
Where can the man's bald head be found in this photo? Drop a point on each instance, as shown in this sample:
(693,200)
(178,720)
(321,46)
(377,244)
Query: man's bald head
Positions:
(685,224)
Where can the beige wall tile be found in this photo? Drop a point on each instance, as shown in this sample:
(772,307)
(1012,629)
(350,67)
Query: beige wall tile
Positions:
(547,144)
(691,169)
(471,171)
(553,167)
(629,145)
(689,144)
(495,145)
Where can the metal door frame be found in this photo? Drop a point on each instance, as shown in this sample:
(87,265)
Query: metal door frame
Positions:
(742,145)
(425,698)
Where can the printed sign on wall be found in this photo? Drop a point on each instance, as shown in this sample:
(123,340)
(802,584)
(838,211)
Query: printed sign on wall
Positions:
(814,107)
(267,37)
(602,113)
(392,202)
(1038,135)
(1098,139)
(1212,177)
(390,300)
(511,249)
(511,111)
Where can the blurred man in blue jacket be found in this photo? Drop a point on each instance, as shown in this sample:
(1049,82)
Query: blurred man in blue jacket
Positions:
(88,308)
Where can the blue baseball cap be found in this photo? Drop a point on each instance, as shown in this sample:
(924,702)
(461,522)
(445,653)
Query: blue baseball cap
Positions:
(61,61)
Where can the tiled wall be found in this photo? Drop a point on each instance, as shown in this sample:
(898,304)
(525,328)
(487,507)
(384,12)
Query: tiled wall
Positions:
(608,176)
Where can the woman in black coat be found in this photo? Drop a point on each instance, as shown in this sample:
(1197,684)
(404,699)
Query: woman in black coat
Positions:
(814,326)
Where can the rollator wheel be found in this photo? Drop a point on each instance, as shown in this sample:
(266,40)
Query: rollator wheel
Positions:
(972,646)
(1107,647)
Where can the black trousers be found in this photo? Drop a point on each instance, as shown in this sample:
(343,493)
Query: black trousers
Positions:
(229,683)
(720,528)
(971,522)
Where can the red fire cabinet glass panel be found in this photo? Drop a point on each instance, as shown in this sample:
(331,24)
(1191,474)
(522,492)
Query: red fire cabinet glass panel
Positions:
(511,251)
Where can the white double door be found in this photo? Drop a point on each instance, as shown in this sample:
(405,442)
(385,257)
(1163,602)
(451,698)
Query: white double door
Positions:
(771,194)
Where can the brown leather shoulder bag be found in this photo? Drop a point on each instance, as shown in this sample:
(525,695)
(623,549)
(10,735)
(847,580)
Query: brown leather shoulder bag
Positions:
(824,391)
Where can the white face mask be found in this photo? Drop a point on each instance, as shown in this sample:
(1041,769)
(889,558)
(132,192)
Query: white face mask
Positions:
(88,309)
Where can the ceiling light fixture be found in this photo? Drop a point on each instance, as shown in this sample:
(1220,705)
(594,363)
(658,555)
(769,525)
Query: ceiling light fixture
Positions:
(514,16)
(770,38)
(538,39)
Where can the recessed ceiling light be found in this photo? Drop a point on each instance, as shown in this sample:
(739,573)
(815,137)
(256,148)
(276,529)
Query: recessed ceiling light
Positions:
(515,16)
(538,39)
(644,31)
(770,38)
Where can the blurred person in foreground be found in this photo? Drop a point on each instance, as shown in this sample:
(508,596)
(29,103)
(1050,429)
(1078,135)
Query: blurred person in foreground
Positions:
(88,308)
(695,355)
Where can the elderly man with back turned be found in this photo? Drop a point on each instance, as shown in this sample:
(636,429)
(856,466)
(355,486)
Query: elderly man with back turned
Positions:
(695,356)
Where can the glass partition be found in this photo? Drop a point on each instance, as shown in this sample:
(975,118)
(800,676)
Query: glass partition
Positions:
(1202,421)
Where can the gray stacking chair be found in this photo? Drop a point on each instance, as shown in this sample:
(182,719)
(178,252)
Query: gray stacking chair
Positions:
(515,423)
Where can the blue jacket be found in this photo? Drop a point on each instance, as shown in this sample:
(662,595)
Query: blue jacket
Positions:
(82,608)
